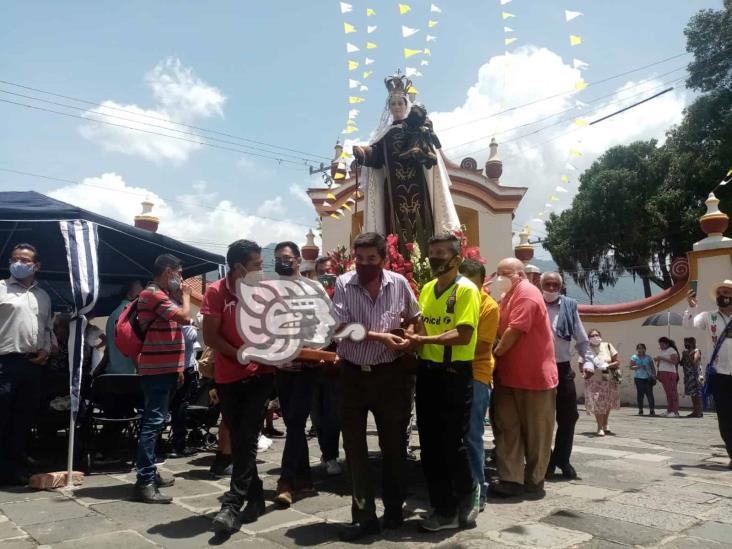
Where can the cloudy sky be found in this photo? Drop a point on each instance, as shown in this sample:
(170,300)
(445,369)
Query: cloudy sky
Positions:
(215,110)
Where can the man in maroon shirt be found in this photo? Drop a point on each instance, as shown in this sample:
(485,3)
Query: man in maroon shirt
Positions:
(243,389)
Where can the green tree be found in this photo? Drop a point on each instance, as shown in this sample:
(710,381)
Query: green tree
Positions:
(709,38)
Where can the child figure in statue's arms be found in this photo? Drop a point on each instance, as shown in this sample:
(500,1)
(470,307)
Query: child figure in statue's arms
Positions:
(421,140)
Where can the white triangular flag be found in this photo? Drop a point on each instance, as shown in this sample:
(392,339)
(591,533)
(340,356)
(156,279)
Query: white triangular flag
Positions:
(547,205)
(431,38)
(351,48)
(371,28)
(570,167)
(569,14)
(561,189)
(345,8)
(368,61)
(580,104)
(363,88)
(424,62)
(353,113)
(578,64)
(507,29)
(504,2)
(408,31)
(435,9)
(353,83)
(411,71)
(537,220)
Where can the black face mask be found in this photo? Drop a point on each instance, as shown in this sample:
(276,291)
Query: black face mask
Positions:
(284,267)
(724,301)
(439,265)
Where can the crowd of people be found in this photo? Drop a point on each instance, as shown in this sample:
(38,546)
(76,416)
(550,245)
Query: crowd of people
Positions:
(468,347)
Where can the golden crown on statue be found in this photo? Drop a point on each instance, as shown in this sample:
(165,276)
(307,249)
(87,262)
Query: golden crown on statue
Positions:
(397,84)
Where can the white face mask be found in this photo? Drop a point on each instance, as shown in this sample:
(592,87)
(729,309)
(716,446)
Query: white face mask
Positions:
(595,341)
(254,277)
(499,287)
(550,297)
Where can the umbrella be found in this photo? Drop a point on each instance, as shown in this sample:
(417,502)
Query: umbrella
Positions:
(664,319)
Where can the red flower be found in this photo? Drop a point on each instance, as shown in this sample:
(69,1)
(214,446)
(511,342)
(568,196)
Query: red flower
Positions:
(409,246)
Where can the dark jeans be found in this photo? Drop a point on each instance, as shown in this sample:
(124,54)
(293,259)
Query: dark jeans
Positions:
(444,401)
(567,415)
(243,407)
(179,409)
(295,391)
(325,413)
(721,386)
(20,393)
(386,393)
(643,388)
(158,391)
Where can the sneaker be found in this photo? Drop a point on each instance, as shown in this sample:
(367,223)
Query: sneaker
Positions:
(470,507)
(600,433)
(437,522)
(676,414)
(226,521)
(665,414)
(149,493)
(284,495)
(264,443)
(333,468)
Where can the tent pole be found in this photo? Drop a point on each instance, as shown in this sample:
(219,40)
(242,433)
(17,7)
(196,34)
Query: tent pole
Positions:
(70,457)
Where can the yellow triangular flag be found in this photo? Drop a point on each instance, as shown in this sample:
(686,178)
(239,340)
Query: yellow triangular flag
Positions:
(366,74)
(580,122)
(350,129)
(346,206)
(574,152)
(409,53)
(404,8)
(352,65)
(432,24)
(575,40)
(331,196)
(345,154)
(334,215)
(370,12)
(565,178)
(339,175)
(370,46)
(580,85)
(552,198)
(348,28)
(427,51)
(729,172)
(506,15)
(353,100)
(509,41)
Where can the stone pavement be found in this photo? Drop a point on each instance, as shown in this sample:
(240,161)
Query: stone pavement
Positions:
(657,483)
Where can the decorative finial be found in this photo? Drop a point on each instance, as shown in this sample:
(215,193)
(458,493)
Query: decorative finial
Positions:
(493,166)
(524,250)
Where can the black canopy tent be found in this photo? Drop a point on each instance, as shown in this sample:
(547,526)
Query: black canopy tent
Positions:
(124,252)
(86,259)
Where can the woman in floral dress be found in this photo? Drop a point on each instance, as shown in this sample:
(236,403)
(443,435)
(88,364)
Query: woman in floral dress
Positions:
(601,386)
(691,364)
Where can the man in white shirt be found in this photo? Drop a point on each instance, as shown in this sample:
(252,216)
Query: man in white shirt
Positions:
(720,377)
(25,343)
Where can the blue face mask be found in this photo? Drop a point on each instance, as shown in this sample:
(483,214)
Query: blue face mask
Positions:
(174,284)
(21,271)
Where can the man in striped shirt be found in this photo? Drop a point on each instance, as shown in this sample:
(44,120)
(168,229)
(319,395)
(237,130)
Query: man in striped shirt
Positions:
(160,366)
(373,379)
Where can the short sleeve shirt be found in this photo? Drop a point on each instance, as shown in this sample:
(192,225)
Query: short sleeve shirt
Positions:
(664,366)
(529,363)
(646,366)
(457,305)
(163,351)
(220,301)
(487,327)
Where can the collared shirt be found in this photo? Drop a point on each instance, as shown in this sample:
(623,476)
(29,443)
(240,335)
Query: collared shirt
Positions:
(163,350)
(562,351)
(118,363)
(713,324)
(25,318)
(483,363)
(190,338)
(394,303)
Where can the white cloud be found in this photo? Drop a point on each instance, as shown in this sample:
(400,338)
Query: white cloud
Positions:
(298,191)
(524,76)
(180,96)
(211,227)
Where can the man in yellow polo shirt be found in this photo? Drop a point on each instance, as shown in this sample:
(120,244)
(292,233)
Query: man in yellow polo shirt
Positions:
(448,335)
(482,374)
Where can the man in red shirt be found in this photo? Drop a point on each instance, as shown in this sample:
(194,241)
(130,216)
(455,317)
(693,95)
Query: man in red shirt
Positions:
(525,380)
(160,366)
(243,389)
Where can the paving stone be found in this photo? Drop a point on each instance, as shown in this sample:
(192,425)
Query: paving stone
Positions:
(114,540)
(26,543)
(686,542)
(69,529)
(321,502)
(46,510)
(277,518)
(715,531)
(663,502)
(201,504)
(135,515)
(113,490)
(603,528)
(10,495)
(663,520)
(599,451)
(539,535)
(588,492)
(9,530)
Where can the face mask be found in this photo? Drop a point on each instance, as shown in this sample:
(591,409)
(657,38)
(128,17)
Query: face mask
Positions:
(724,301)
(595,341)
(21,271)
(440,266)
(499,287)
(284,267)
(174,284)
(367,273)
(550,297)
(253,277)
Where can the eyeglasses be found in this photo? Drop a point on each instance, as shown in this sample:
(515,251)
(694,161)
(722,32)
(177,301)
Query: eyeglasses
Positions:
(21,260)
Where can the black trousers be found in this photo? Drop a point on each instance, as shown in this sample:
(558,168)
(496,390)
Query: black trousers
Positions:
(721,386)
(20,393)
(179,409)
(644,388)
(443,401)
(295,391)
(567,415)
(243,407)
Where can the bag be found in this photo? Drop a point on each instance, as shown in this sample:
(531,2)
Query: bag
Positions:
(128,333)
(206,364)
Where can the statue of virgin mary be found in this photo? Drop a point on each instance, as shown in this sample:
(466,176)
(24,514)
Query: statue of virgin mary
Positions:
(407,187)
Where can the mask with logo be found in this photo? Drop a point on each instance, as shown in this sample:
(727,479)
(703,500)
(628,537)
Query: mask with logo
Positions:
(284,267)
(595,341)
(439,265)
(722,300)
(550,297)
(254,277)
(367,273)
(21,271)
(174,284)
(500,286)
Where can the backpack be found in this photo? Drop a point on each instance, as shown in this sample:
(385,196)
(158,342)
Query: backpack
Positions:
(128,333)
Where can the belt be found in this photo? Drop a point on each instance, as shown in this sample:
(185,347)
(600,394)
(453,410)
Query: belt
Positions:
(17,355)
(369,368)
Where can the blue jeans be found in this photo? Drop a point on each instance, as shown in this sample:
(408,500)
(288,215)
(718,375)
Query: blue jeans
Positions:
(474,436)
(158,391)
